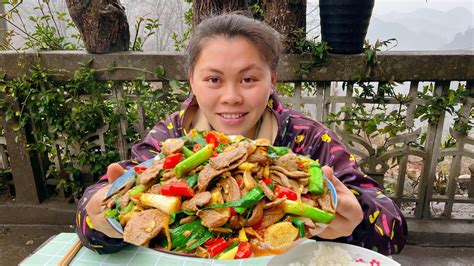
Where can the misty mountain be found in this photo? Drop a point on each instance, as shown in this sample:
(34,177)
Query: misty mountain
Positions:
(462,41)
(423,28)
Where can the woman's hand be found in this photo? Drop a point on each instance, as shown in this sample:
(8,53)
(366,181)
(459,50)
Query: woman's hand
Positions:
(348,212)
(94,206)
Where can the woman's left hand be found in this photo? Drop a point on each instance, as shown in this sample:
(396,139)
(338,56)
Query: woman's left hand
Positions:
(348,212)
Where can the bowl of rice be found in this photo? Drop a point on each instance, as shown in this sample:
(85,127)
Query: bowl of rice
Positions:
(322,253)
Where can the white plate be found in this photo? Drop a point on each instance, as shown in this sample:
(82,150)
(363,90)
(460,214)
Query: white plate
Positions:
(304,252)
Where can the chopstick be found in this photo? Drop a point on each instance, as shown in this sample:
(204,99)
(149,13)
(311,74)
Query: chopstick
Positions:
(70,254)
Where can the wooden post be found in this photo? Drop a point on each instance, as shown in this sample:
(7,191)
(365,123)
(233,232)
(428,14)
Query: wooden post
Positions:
(432,148)
(28,188)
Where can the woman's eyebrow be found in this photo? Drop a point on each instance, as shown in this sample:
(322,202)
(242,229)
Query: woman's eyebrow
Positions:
(247,68)
(211,69)
(250,67)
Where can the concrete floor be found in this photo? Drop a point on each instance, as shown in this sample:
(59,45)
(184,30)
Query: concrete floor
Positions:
(18,241)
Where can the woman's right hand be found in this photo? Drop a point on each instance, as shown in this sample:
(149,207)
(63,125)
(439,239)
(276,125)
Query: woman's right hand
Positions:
(94,206)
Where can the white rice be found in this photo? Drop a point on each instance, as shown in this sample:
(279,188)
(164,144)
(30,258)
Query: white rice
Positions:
(330,256)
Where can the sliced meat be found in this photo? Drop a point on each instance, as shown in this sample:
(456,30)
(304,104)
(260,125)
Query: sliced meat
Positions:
(171,146)
(290,174)
(303,181)
(230,188)
(277,202)
(282,178)
(212,218)
(155,189)
(287,161)
(294,185)
(123,200)
(307,222)
(267,191)
(226,158)
(188,219)
(144,226)
(149,174)
(110,203)
(325,203)
(234,222)
(259,156)
(168,174)
(272,216)
(308,201)
(257,214)
(199,200)
(208,173)
(263,142)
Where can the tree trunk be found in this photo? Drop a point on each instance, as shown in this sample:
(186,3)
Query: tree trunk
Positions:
(102,23)
(288,17)
(206,8)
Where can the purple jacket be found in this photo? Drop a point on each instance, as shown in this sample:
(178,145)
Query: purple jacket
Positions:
(383,228)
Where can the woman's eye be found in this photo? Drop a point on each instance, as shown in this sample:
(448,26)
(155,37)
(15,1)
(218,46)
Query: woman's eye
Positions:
(213,80)
(248,80)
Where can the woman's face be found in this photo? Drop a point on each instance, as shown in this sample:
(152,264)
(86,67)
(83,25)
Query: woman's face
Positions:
(232,83)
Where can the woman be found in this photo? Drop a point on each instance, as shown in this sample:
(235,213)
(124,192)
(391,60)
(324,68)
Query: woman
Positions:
(232,62)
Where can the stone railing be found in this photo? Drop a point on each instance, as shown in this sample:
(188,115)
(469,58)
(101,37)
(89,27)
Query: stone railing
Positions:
(411,68)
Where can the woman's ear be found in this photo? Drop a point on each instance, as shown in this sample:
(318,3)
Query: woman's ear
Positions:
(274,79)
(190,78)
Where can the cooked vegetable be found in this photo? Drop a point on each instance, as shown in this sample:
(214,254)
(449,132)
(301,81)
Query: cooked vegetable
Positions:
(186,233)
(216,246)
(138,189)
(172,160)
(193,161)
(222,207)
(243,235)
(229,253)
(192,180)
(244,250)
(166,204)
(280,234)
(178,189)
(316,179)
(285,192)
(187,152)
(303,209)
(299,224)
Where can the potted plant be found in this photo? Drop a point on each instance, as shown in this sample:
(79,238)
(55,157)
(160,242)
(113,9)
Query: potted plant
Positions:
(344,24)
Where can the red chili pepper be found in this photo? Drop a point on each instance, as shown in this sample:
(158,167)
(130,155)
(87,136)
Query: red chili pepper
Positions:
(178,189)
(172,160)
(196,147)
(232,211)
(217,247)
(211,138)
(210,242)
(139,169)
(244,250)
(301,166)
(284,191)
(239,180)
(267,180)
(215,154)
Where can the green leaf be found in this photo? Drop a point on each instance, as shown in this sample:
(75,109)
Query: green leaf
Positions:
(160,71)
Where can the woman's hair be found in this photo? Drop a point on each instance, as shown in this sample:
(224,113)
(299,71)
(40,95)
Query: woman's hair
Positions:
(264,37)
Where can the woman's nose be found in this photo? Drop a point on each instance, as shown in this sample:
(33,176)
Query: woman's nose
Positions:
(231,94)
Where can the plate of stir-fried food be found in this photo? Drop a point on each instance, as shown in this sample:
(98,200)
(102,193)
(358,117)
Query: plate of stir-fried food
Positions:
(210,195)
